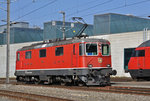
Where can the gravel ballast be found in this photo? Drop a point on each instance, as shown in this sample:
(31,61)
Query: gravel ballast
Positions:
(2,98)
(76,95)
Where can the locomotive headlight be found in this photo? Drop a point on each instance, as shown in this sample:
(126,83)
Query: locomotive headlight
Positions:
(108,65)
(90,65)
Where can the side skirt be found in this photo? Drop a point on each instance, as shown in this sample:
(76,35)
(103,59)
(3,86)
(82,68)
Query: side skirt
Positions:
(140,73)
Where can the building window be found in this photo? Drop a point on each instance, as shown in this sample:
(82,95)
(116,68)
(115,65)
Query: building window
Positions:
(91,49)
(28,55)
(18,56)
(42,53)
(105,49)
(59,51)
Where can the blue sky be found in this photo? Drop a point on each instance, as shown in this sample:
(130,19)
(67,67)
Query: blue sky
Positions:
(36,12)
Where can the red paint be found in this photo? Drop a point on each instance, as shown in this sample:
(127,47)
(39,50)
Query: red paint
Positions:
(140,62)
(70,58)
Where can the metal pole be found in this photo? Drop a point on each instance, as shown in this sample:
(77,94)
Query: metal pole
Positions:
(63,27)
(8,42)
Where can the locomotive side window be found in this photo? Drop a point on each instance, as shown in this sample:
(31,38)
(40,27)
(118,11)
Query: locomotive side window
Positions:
(42,53)
(81,49)
(105,49)
(59,51)
(18,56)
(138,53)
(141,53)
(91,49)
(28,55)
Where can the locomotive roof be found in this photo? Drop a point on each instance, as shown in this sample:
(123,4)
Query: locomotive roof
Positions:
(145,44)
(62,42)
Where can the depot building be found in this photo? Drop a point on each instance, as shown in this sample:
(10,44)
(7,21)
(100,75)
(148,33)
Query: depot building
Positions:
(125,33)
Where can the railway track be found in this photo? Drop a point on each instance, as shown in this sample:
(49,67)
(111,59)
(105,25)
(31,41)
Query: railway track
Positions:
(20,96)
(123,90)
(112,89)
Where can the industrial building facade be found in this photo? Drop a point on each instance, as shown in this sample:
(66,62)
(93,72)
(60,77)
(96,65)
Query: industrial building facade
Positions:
(125,34)
(20,33)
(112,23)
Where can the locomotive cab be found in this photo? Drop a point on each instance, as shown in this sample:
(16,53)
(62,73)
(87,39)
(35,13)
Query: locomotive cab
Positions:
(139,65)
(95,55)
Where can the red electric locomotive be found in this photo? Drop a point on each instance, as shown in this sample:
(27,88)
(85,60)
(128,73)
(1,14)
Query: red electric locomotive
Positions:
(139,64)
(79,61)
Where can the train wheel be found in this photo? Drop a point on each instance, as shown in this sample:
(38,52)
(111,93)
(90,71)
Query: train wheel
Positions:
(36,82)
(81,84)
(63,83)
(50,81)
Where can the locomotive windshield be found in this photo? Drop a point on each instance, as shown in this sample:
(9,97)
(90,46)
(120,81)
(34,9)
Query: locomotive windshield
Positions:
(91,49)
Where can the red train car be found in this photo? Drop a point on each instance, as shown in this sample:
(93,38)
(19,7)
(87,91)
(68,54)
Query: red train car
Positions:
(139,64)
(78,61)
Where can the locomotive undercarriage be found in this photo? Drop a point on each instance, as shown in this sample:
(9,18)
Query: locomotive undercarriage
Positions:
(140,74)
(88,77)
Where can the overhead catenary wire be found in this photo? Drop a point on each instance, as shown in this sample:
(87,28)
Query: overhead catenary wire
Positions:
(144,0)
(115,8)
(98,11)
(81,5)
(90,7)
(67,9)
(127,5)
(26,5)
(23,7)
(49,3)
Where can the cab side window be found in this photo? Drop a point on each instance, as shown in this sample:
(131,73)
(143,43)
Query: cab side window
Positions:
(105,49)
(18,56)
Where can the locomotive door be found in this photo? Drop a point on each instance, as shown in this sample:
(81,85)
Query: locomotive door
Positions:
(140,59)
(74,56)
(19,60)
